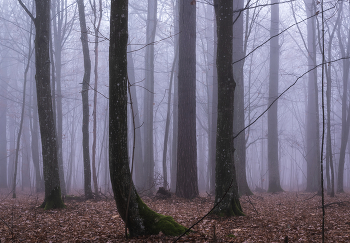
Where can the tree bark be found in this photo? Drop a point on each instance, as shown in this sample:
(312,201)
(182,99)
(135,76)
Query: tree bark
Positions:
(225,178)
(139,219)
(187,180)
(239,116)
(272,146)
(85,99)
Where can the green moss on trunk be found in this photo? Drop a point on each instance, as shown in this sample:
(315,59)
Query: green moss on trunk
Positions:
(54,200)
(155,222)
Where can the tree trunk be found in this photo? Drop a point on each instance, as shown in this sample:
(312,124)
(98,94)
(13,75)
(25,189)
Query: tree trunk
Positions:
(312,119)
(272,146)
(239,116)
(187,180)
(226,188)
(85,99)
(139,219)
(46,118)
(138,179)
(149,96)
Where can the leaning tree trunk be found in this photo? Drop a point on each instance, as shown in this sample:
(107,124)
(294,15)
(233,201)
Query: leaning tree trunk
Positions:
(139,219)
(85,98)
(226,188)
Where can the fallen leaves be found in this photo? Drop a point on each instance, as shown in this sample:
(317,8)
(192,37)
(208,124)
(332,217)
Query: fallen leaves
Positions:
(269,218)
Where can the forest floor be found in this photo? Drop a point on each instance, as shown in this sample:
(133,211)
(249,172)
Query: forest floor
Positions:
(269,218)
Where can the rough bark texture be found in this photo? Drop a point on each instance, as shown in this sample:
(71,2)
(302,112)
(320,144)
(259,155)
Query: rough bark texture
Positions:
(272,146)
(186,180)
(46,119)
(85,98)
(239,116)
(139,218)
(312,119)
(225,168)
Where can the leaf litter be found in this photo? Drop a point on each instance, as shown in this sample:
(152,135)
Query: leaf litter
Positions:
(296,216)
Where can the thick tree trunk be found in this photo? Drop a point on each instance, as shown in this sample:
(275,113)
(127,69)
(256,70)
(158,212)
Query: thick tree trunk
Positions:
(139,219)
(85,99)
(225,182)
(187,180)
(272,146)
(46,118)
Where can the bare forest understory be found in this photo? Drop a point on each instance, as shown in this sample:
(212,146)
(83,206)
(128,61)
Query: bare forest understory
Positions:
(269,218)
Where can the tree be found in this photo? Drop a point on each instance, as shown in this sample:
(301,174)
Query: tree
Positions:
(96,32)
(53,197)
(225,177)
(312,120)
(149,96)
(272,153)
(186,180)
(345,115)
(139,219)
(239,116)
(85,98)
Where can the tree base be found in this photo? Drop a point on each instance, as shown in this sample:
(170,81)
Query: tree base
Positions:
(54,200)
(233,209)
(155,222)
(275,188)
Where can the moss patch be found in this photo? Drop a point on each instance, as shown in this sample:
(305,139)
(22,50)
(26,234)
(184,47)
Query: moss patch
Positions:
(155,222)
(54,200)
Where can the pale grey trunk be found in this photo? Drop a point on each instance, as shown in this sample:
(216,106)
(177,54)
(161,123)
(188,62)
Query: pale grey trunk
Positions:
(138,163)
(167,123)
(3,119)
(213,99)
(312,124)
(149,97)
(272,146)
(239,116)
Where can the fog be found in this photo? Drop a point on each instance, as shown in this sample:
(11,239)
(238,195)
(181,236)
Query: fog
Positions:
(277,68)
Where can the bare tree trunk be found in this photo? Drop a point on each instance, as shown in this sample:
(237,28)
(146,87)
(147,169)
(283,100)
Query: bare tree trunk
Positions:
(239,116)
(29,55)
(149,96)
(85,98)
(139,219)
(272,150)
(312,113)
(97,32)
(225,178)
(167,124)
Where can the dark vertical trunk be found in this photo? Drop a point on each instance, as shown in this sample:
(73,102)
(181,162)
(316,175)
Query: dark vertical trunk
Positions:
(225,167)
(187,181)
(46,118)
(272,145)
(173,170)
(239,116)
(139,219)
(85,99)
